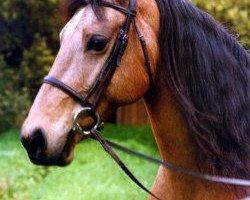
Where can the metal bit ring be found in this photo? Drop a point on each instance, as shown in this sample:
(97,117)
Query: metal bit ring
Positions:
(87,111)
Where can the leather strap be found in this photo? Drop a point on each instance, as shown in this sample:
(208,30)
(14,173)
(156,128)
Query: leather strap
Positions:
(106,146)
(173,167)
(118,50)
(145,52)
(68,90)
(131,11)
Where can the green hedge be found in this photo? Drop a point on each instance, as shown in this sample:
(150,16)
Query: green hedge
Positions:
(28,38)
(233,14)
(14,100)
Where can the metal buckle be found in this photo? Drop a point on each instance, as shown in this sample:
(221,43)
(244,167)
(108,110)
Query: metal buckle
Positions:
(87,111)
(123,36)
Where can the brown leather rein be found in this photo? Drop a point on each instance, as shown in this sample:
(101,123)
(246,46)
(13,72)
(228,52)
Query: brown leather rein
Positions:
(99,87)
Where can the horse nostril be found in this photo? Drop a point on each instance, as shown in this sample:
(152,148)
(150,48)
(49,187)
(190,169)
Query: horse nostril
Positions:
(35,144)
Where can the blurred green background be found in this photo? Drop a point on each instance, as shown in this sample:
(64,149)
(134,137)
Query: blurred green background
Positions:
(28,44)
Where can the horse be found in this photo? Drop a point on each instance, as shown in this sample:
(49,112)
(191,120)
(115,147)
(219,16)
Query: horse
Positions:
(193,75)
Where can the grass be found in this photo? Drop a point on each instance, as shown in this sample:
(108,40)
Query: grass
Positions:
(92,175)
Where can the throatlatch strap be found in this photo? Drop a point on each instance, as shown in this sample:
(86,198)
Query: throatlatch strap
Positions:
(97,136)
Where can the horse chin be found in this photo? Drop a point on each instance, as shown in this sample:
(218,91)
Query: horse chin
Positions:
(52,161)
(67,153)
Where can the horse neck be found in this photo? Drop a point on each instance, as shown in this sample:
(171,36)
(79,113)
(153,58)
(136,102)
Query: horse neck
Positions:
(170,127)
(176,146)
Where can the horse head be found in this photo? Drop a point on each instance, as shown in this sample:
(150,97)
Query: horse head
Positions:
(87,44)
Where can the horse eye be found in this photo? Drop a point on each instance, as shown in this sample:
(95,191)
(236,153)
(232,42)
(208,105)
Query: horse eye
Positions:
(96,43)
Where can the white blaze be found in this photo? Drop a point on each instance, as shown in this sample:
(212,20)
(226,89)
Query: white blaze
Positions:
(70,27)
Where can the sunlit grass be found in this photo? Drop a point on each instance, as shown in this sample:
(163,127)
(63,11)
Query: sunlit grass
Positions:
(93,175)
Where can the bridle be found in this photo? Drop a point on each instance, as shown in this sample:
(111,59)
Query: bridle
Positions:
(101,84)
(110,65)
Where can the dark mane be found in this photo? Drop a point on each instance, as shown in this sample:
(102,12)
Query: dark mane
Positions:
(209,73)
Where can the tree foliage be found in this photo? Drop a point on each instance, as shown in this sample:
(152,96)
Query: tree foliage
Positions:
(36,63)
(233,14)
(21,20)
(29,40)
(14,101)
